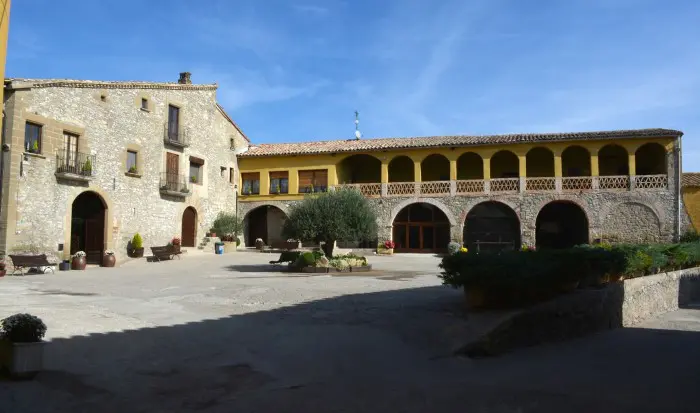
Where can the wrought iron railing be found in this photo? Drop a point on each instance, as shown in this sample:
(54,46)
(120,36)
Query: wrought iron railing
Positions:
(176,136)
(170,182)
(75,163)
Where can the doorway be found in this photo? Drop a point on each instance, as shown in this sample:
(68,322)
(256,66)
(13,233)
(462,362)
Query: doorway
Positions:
(492,227)
(189,227)
(421,228)
(560,225)
(88,215)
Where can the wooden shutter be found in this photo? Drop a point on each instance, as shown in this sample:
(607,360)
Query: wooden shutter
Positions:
(196,161)
(279,175)
(172,164)
(251,176)
(321,178)
(306,179)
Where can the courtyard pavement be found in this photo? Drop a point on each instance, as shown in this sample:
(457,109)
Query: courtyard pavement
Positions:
(230,333)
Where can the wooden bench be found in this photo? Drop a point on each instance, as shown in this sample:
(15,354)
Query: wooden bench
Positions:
(22,262)
(164,253)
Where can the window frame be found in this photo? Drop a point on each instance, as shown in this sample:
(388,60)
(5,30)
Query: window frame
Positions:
(136,161)
(314,184)
(174,124)
(198,176)
(145,104)
(250,180)
(281,179)
(39,138)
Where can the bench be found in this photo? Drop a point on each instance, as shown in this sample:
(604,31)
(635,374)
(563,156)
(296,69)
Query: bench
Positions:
(164,253)
(20,262)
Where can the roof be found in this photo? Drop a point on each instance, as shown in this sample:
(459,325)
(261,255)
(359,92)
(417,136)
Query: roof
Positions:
(362,145)
(228,118)
(20,83)
(691,179)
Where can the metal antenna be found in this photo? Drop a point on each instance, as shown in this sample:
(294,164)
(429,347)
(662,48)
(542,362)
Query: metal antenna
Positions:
(358,135)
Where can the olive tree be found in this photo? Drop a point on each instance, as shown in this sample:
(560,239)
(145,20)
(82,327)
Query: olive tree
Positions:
(227,224)
(339,215)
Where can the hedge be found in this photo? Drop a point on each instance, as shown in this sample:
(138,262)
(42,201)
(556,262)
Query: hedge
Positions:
(521,277)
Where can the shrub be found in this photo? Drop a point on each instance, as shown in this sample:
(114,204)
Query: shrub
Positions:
(227,224)
(453,247)
(690,236)
(137,241)
(339,215)
(23,328)
(389,244)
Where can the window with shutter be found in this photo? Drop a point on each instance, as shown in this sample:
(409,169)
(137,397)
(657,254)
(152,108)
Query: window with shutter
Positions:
(313,181)
(251,183)
(279,182)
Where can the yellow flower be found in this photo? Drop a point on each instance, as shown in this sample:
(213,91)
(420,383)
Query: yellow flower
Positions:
(463,249)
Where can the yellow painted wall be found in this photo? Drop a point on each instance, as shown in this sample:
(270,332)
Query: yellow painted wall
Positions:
(4,31)
(691,200)
(332,162)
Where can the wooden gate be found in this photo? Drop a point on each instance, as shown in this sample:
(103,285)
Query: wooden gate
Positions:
(189,227)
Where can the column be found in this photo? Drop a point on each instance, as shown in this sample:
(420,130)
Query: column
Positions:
(523,172)
(594,170)
(416,177)
(632,164)
(453,170)
(293,181)
(487,175)
(557,172)
(385,178)
(265,182)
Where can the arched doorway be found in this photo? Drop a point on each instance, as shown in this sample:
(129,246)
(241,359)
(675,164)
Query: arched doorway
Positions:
(264,222)
(490,227)
(189,227)
(359,169)
(88,215)
(421,227)
(561,224)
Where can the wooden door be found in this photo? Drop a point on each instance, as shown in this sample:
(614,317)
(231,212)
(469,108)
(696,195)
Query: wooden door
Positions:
(94,237)
(172,170)
(189,227)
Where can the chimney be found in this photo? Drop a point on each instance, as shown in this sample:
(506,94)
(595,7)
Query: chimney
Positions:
(185,78)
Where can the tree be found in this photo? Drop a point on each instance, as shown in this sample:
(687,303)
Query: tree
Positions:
(339,215)
(227,224)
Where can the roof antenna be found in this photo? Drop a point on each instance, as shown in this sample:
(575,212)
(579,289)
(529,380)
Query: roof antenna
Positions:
(358,135)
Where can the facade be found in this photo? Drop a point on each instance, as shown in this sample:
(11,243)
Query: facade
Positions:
(485,191)
(92,163)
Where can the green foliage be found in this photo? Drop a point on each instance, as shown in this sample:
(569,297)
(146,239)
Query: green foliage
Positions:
(87,166)
(690,236)
(227,224)
(349,260)
(288,257)
(453,247)
(22,328)
(35,146)
(137,241)
(340,215)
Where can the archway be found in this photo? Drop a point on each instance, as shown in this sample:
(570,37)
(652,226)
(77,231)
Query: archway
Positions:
(613,160)
(421,227)
(401,169)
(650,159)
(539,162)
(359,169)
(490,227)
(264,222)
(189,227)
(505,164)
(88,215)
(470,166)
(576,161)
(435,167)
(561,224)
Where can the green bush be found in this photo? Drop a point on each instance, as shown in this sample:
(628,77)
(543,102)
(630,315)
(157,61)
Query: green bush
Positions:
(690,236)
(453,247)
(137,241)
(227,224)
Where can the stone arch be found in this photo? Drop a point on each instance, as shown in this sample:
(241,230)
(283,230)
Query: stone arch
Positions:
(633,222)
(590,215)
(439,205)
(109,223)
(561,224)
(267,220)
(421,227)
(492,226)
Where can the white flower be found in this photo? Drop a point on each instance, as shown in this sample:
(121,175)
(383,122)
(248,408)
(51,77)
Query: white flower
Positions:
(109,252)
(79,254)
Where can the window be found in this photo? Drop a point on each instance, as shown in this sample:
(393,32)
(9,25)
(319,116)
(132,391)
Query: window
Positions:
(279,182)
(223,172)
(173,123)
(32,137)
(131,163)
(251,183)
(144,103)
(313,181)
(231,175)
(70,147)
(196,170)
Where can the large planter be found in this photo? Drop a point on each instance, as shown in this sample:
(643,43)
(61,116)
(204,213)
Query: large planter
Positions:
(3,272)
(109,260)
(229,247)
(78,263)
(136,253)
(385,251)
(22,360)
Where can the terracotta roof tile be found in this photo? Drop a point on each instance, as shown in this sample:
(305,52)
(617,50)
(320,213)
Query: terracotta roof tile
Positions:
(691,179)
(14,83)
(363,145)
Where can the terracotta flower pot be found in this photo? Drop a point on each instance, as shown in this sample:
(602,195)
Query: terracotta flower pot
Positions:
(109,260)
(78,263)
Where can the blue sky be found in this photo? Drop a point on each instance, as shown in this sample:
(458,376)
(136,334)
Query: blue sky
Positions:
(292,70)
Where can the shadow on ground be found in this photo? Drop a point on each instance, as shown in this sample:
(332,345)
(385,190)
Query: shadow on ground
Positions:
(375,352)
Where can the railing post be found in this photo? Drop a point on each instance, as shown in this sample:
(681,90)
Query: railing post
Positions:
(595,183)
(453,188)
(416,189)
(523,184)
(487,186)
(558,186)
(385,189)
(633,179)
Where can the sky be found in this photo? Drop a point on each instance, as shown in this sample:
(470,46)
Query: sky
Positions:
(297,70)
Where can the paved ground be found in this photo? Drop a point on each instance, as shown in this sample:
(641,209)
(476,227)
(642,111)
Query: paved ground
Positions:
(223,333)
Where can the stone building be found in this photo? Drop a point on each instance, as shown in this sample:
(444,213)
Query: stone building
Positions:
(87,164)
(549,190)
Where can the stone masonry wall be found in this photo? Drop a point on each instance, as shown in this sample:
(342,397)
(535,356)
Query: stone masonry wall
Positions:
(36,205)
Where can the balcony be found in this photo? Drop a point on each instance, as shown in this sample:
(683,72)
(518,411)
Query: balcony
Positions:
(505,186)
(174,185)
(179,138)
(76,166)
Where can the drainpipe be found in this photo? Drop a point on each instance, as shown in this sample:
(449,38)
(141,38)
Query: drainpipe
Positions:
(679,174)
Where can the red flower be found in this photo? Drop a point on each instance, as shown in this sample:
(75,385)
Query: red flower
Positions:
(388,244)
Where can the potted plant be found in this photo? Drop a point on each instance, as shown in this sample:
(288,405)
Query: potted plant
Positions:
(389,246)
(3,271)
(193,179)
(22,352)
(87,167)
(229,243)
(133,169)
(109,260)
(35,147)
(78,261)
(136,250)
(259,243)
(175,244)
(64,265)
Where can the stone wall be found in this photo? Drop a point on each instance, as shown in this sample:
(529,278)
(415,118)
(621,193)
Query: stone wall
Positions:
(36,206)
(643,215)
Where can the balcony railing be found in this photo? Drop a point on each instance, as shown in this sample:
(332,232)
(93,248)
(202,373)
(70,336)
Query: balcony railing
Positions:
(176,137)
(174,184)
(75,165)
(504,186)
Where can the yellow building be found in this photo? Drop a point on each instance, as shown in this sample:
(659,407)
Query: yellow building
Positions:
(488,192)
(691,198)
